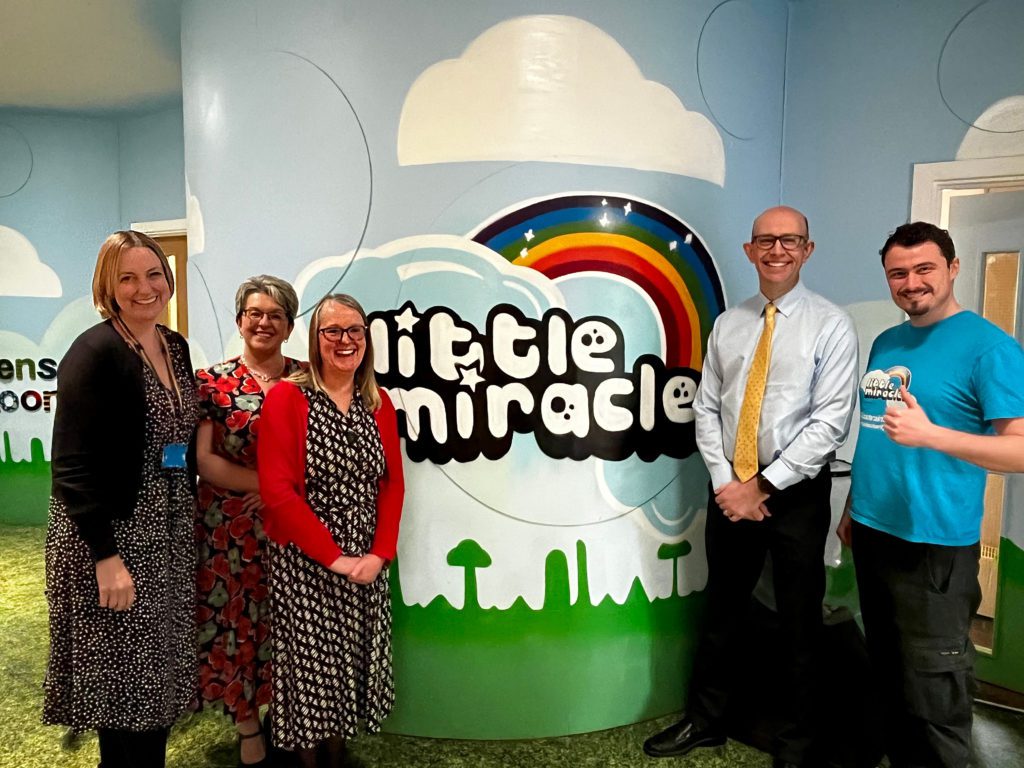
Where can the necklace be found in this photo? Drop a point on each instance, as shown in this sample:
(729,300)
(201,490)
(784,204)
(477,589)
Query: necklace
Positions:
(262,376)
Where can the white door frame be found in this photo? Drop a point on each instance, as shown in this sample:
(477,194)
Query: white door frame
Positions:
(163,228)
(932,179)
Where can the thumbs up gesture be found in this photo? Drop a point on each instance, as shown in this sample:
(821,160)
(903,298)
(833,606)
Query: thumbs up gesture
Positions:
(909,425)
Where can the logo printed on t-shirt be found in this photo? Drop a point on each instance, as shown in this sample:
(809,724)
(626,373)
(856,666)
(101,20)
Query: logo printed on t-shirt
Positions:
(885,385)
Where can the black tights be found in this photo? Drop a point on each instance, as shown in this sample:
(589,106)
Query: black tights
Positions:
(329,753)
(132,749)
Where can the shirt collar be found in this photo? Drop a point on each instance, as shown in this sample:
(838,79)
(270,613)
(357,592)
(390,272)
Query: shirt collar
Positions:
(787,302)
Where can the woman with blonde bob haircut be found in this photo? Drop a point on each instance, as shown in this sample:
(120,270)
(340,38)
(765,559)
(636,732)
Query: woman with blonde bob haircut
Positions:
(330,471)
(104,278)
(365,380)
(120,546)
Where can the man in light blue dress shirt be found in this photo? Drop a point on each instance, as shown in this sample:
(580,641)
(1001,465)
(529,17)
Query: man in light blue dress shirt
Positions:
(783,509)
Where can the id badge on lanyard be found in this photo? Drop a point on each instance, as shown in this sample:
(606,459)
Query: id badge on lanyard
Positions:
(174,456)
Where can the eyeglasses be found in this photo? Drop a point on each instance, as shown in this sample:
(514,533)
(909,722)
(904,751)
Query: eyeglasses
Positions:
(256,315)
(789,242)
(335,334)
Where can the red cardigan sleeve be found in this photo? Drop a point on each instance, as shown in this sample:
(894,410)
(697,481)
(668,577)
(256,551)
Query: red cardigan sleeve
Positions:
(391,493)
(281,465)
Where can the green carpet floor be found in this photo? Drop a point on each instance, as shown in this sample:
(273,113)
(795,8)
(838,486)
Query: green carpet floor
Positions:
(207,740)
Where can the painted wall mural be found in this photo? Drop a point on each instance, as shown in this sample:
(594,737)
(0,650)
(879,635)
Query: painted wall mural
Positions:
(543,353)
(28,386)
(544,368)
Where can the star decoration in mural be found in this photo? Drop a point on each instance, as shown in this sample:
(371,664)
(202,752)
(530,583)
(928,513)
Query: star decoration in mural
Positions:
(604,221)
(469,376)
(688,240)
(628,208)
(529,235)
(673,245)
(406,319)
(604,202)
(522,253)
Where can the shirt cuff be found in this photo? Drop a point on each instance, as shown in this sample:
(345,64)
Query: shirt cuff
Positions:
(721,475)
(781,476)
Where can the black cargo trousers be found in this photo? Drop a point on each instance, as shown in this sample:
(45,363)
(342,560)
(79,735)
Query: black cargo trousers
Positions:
(917,602)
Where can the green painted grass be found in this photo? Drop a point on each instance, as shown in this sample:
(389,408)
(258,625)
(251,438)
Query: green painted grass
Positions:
(573,667)
(24,486)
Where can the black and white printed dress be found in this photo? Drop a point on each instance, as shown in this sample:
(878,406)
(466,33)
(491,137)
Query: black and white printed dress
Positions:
(332,637)
(132,670)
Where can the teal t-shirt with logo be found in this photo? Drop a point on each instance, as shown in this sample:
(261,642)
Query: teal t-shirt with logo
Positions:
(965,372)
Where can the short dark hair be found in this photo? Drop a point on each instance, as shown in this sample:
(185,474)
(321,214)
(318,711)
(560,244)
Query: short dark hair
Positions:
(277,289)
(917,232)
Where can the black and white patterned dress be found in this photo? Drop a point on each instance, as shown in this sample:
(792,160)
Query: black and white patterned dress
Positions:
(131,670)
(331,637)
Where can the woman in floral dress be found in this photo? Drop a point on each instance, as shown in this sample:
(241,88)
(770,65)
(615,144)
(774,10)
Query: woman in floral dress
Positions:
(233,605)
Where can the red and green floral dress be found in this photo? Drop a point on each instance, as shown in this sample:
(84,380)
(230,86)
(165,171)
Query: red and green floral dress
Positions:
(233,606)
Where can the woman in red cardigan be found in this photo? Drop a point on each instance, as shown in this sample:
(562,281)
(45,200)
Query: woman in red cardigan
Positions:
(330,474)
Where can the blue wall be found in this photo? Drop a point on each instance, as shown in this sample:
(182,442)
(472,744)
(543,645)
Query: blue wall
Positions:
(152,166)
(89,177)
(67,207)
(863,105)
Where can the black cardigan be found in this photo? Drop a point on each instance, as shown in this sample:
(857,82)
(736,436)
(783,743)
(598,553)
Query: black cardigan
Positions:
(99,433)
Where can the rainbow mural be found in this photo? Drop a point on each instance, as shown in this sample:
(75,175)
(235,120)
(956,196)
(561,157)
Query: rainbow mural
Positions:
(630,238)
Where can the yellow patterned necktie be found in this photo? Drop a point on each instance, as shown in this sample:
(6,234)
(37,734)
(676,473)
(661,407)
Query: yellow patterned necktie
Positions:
(745,456)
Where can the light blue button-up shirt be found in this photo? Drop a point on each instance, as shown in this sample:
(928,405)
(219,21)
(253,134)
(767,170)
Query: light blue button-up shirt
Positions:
(808,399)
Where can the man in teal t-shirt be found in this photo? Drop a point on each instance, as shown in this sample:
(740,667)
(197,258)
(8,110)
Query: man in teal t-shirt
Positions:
(941,403)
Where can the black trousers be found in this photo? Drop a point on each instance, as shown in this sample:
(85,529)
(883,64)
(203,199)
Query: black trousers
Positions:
(132,749)
(917,601)
(795,537)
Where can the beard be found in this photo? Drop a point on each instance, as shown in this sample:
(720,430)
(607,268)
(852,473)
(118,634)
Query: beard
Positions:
(916,305)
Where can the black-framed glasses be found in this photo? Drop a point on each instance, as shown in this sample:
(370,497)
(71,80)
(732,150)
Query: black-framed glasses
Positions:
(789,242)
(254,315)
(334,333)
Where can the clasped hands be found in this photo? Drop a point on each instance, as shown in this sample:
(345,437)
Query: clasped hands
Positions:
(742,500)
(359,570)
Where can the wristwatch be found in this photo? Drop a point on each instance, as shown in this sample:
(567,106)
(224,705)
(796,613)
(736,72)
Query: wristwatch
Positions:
(764,486)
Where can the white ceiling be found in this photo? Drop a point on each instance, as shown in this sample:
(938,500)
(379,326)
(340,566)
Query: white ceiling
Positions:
(89,55)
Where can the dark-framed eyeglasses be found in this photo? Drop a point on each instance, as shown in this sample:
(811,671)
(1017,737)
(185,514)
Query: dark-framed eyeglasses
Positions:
(335,334)
(254,316)
(789,242)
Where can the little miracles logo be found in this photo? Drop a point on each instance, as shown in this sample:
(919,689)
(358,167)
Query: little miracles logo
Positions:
(885,385)
(463,392)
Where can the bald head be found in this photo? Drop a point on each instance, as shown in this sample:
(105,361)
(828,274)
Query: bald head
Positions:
(786,210)
(779,246)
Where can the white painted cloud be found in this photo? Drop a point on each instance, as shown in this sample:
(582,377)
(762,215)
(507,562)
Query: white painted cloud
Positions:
(22,273)
(553,89)
(999,132)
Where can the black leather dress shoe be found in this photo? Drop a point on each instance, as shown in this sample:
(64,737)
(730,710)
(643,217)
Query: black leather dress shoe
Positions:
(678,739)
